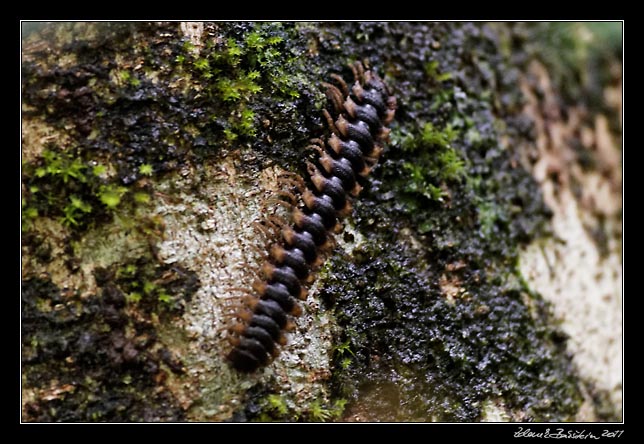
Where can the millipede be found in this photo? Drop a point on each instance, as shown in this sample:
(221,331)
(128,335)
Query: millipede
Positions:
(357,135)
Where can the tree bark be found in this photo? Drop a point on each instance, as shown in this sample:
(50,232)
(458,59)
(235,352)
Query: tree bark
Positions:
(478,278)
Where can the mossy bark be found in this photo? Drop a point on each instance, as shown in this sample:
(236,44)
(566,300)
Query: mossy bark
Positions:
(478,278)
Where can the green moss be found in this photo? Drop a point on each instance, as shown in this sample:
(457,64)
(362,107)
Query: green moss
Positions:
(56,185)
(487,216)
(433,73)
(236,71)
(277,404)
(202,64)
(127,78)
(436,164)
(230,135)
(61,166)
(111,195)
(317,413)
(278,408)
(74,211)
(239,68)
(146,169)
(134,297)
(343,348)
(240,88)
(99,170)
(450,165)
(29,214)
(64,186)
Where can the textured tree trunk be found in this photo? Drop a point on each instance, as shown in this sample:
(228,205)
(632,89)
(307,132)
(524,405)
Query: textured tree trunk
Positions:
(478,278)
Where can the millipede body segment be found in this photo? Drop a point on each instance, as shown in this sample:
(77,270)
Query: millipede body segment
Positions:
(358,132)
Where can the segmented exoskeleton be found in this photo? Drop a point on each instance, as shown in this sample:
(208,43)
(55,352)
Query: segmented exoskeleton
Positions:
(358,132)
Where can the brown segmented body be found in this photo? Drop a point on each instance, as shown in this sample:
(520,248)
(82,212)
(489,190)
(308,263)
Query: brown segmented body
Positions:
(359,131)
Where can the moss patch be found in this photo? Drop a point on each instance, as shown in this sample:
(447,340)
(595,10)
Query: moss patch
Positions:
(136,101)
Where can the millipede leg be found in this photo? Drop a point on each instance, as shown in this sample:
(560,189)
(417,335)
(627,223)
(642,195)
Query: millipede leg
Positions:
(335,96)
(330,122)
(342,83)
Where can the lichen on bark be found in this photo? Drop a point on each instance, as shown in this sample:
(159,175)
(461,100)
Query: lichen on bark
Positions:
(151,150)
